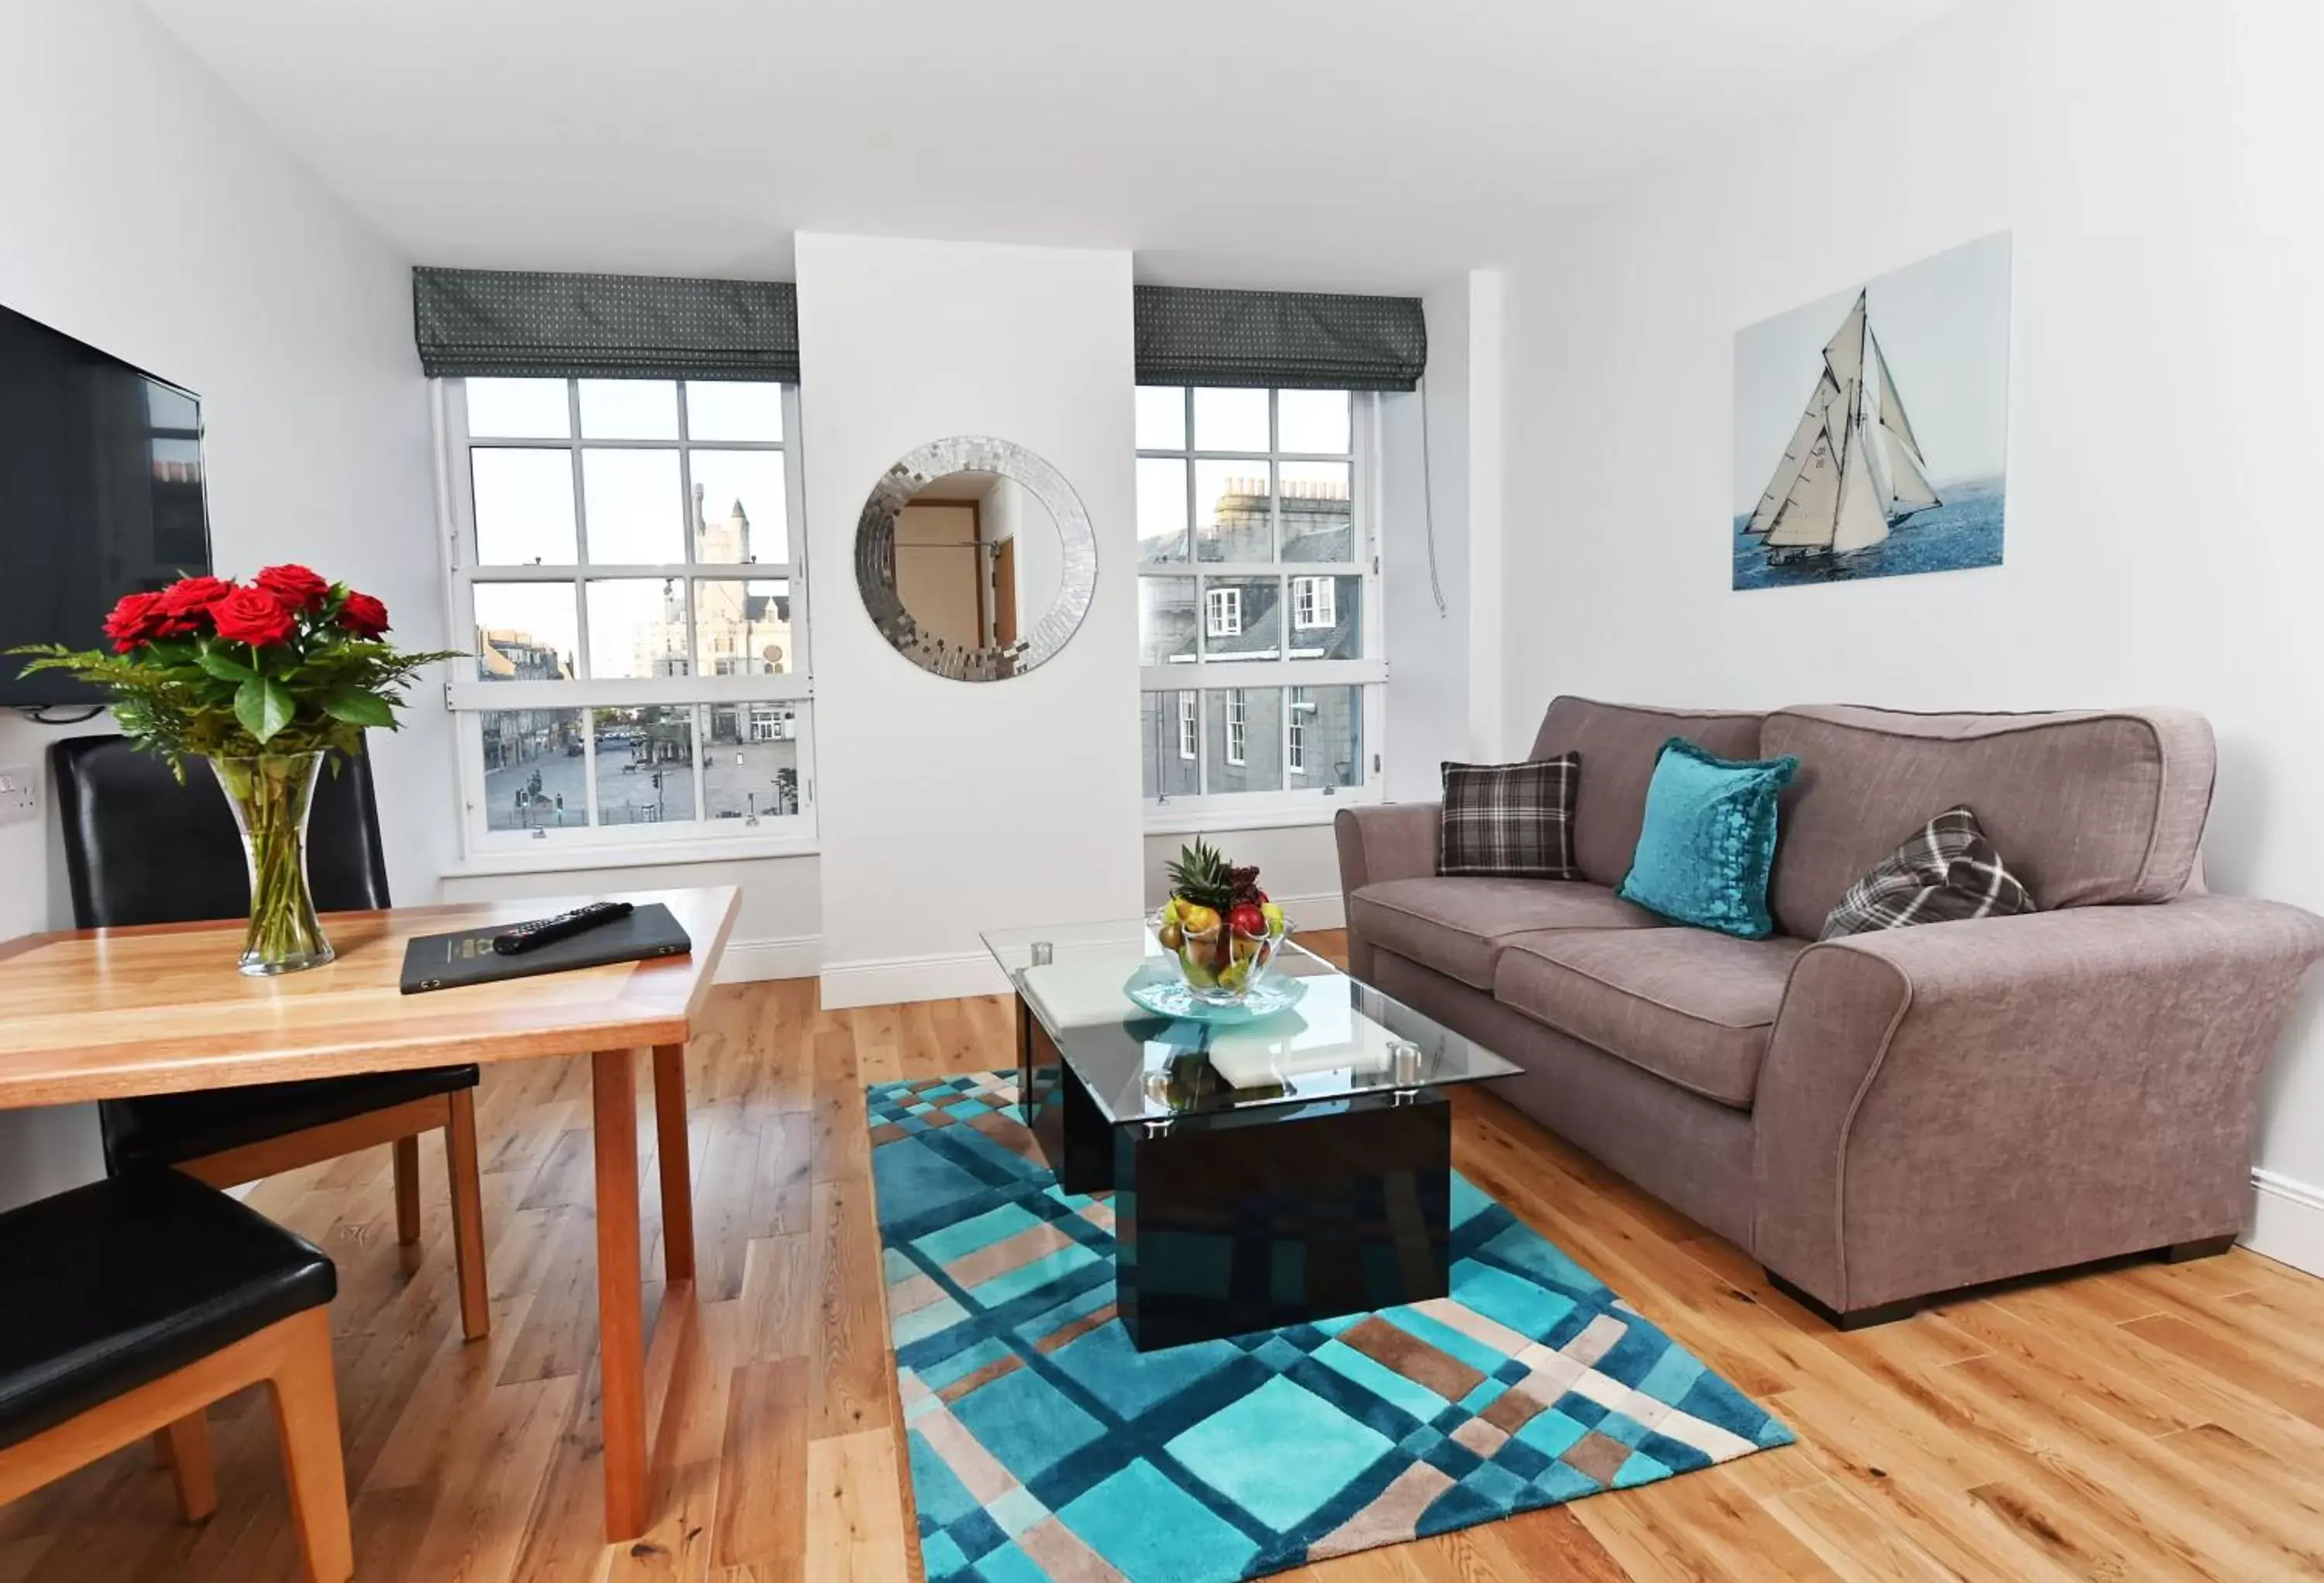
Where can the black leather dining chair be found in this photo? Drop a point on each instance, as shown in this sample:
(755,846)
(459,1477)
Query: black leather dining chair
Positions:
(141,847)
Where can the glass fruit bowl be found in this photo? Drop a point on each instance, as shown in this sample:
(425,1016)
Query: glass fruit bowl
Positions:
(1219,965)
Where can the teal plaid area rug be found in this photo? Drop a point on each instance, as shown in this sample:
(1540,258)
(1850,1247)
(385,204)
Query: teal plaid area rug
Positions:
(1044,1447)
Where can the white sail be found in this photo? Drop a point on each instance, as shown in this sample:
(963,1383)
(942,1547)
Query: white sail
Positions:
(1805,518)
(1862,518)
(1908,486)
(1907,474)
(1795,458)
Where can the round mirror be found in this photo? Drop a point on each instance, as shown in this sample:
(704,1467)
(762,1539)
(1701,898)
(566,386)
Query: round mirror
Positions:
(975,559)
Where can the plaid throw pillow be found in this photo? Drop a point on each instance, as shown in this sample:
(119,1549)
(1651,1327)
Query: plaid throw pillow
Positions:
(1511,821)
(1946,872)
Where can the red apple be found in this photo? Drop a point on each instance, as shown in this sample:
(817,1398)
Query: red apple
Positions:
(1247,919)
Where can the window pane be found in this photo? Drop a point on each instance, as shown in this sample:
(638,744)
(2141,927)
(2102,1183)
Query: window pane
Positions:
(739,514)
(519,409)
(1312,420)
(1327,617)
(1327,737)
(742,628)
(629,408)
(1166,619)
(532,768)
(733,409)
(637,627)
(1230,420)
(1231,522)
(1169,745)
(524,507)
(525,631)
(1242,728)
(1161,510)
(645,765)
(750,761)
(632,501)
(1241,618)
(1161,418)
(1318,522)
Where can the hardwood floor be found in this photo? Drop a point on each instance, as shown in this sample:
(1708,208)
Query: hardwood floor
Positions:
(2154,1421)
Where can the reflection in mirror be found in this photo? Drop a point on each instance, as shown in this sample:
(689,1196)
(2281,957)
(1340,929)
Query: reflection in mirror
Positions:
(976,559)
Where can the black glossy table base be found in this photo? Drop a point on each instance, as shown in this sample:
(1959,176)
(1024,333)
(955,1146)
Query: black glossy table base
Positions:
(1246,1220)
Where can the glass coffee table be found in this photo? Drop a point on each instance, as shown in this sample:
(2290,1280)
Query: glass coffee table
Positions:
(1295,1167)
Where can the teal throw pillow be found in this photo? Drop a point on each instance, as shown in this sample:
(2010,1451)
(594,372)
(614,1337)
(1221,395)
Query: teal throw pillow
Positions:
(1710,840)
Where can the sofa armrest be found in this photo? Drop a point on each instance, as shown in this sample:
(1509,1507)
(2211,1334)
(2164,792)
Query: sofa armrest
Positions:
(1386,841)
(1960,1102)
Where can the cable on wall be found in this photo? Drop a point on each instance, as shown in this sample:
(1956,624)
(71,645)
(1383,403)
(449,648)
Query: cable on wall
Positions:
(1428,500)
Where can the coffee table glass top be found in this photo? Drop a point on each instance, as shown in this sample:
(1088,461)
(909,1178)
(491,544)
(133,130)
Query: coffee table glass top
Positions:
(1340,1040)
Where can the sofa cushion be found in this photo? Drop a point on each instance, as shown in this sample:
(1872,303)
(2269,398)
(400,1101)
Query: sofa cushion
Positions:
(1709,840)
(1455,926)
(2091,806)
(1509,821)
(1618,744)
(1690,1005)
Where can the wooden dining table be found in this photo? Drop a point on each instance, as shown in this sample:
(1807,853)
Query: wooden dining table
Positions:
(103,1013)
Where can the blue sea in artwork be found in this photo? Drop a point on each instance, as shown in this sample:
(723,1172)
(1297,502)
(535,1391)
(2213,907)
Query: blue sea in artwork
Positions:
(1965,531)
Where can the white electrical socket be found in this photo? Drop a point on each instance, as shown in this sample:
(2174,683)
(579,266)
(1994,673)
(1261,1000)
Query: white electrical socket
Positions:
(19,795)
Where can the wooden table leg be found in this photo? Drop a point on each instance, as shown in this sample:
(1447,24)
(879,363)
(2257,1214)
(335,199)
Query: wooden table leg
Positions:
(621,1300)
(676,1162)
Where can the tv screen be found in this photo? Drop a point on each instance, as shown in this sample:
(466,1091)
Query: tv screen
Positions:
(100,495)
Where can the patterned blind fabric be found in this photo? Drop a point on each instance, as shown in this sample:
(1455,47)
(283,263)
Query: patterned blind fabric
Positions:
(1302,340)
(531,324)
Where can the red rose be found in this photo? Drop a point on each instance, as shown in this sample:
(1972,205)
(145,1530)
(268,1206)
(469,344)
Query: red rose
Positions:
(137,619)
(185,605)
(253,615)
(362,615)
(294,585)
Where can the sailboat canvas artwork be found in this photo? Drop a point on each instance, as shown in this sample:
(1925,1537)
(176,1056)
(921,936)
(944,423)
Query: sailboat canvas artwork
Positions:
(1896,463)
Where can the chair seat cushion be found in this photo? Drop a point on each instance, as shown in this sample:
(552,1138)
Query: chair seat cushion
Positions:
(119,1282)
(168,1130)
(1692,1006)
(1456,926)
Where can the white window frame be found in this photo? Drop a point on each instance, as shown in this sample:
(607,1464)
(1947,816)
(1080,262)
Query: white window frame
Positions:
(1190,730)
(1293,805)
(1223,613)
(1296,751)
(588,845)
(1237,728)
(1314,603)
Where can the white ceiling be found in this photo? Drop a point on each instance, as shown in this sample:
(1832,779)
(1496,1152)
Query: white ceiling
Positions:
(1330,143)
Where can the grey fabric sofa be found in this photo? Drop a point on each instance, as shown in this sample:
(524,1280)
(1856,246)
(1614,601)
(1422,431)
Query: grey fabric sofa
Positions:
(1880,1119)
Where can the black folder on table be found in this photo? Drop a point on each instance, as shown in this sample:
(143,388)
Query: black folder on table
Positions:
(446,961)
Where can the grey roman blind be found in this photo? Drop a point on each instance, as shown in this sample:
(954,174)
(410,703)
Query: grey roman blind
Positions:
(531,324)
(1304,340)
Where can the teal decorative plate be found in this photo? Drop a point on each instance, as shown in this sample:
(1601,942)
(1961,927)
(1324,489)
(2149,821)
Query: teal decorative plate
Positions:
(1170,998)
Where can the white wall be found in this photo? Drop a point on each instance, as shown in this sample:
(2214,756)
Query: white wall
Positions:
(946,807)
(2156,164)
(143,211)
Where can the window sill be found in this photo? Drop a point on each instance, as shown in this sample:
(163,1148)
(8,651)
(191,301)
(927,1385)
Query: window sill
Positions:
(670,854)
(1168,819)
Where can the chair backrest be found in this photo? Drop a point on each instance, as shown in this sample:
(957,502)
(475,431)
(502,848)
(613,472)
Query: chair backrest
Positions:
(140,848)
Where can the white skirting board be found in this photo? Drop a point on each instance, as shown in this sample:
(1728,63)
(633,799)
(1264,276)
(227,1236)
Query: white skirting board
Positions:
(2287,1221)
(888,981)
(884,982)
(800,957)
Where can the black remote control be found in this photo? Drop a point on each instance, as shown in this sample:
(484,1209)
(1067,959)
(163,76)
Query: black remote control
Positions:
(522,937)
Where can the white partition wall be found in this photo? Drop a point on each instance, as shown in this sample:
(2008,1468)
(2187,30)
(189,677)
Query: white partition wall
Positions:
(947,806)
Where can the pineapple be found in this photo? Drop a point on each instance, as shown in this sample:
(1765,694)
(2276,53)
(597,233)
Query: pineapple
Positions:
(1203,878)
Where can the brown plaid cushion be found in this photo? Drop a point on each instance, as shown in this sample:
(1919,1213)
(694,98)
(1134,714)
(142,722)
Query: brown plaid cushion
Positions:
(1511,820)
(1946,872)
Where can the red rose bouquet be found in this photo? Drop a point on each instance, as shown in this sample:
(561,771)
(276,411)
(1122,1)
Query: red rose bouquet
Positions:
(285,663)
(259,677)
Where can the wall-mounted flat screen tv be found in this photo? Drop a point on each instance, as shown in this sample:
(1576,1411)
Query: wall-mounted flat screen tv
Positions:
(100,495)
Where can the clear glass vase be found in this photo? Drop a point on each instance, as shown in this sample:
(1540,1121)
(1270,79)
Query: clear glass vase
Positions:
(272,795)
